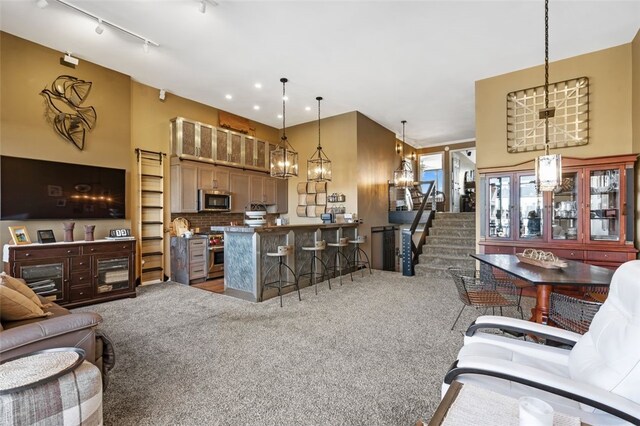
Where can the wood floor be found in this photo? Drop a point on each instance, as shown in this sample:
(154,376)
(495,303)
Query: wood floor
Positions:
(215,285)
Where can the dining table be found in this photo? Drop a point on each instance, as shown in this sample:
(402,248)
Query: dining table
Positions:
(575,274)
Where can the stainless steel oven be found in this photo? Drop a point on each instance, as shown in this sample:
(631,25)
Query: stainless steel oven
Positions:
(216,262)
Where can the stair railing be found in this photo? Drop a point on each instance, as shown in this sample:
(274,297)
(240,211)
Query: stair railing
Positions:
(411,252)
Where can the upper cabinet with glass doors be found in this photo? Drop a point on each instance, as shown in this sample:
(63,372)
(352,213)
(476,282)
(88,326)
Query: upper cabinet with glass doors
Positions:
(589,217)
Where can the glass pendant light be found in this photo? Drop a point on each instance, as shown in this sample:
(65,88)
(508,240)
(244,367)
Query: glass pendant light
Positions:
(319,165)
(283,160)
(548,167)
(403,175)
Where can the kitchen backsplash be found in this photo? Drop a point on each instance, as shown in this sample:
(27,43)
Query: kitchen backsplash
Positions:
(204,220)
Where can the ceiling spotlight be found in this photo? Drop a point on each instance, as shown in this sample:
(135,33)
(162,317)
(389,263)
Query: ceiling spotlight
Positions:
(307,108)
(145,46)
(42,4)
(100,27)
(285,98)
(203,6)
(258,85)
(279,115)
(228,97)
(256,107)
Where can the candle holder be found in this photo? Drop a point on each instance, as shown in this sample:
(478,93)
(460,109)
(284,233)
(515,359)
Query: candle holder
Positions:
(68,231)
(88,232)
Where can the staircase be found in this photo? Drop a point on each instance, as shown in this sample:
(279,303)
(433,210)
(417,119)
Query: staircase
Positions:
(452,238)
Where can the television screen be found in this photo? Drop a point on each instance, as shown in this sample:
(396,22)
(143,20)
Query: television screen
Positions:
(37,189)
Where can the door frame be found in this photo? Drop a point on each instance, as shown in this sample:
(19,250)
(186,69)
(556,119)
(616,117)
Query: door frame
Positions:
(450,178)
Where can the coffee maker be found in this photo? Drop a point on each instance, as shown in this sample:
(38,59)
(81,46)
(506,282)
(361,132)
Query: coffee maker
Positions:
(327,217)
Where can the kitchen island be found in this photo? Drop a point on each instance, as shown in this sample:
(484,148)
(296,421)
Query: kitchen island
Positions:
(246,262)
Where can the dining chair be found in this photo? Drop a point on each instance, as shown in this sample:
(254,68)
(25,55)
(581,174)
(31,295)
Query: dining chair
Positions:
(595,376)
(576,313)
(481,289)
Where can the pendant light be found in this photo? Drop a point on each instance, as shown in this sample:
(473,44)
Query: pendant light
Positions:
(319,165)
(548,167)
(283,159)
(403,175)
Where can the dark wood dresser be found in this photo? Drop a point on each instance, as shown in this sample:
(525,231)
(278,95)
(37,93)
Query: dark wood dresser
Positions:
(78,273)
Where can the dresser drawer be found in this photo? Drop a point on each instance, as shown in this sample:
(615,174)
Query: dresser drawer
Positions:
(80,263)
(607,256)
(42,253)
(498,250)
(80,293)
(569,254)
(197,270)
(79,279)
(108,247)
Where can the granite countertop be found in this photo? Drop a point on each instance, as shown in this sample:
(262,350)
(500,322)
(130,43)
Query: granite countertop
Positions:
(249,229)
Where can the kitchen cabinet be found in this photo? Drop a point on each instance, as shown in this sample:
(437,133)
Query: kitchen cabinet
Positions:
(239,187)
(263,190)
(76,274)
(261,161)
(589,217)
(189,259)
(222,145)
(255,153)
(184,186)
(191,139)
(212,177)
(235,149)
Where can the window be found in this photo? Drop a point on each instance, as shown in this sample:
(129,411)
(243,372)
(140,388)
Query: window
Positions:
(431,168)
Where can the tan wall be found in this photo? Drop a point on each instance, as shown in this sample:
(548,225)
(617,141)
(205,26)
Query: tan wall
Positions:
(609,73)
(339,142)
(635,109)
(27,68)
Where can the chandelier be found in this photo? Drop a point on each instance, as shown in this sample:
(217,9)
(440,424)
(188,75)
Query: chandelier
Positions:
(548,167)
(283,159)
(403,175)
(319,165)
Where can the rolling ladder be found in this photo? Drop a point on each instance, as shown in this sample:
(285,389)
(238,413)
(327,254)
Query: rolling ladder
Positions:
(151,229)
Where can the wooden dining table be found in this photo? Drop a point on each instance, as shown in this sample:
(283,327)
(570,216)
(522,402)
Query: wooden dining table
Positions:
(574,274)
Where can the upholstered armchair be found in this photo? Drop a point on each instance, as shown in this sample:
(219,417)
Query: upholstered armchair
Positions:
(595,376)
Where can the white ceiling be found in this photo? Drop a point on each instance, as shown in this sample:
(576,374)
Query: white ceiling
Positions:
(391,60)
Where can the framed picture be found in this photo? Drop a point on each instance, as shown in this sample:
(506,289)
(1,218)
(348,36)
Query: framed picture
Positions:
(46,236)
(19,235)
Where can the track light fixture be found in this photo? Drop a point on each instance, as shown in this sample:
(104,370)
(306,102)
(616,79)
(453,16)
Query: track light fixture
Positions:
(101,22)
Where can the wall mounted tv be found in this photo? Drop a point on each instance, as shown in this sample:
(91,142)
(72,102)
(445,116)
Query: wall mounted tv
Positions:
(37,189)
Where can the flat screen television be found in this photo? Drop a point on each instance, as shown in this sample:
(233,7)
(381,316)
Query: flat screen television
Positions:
(37,189)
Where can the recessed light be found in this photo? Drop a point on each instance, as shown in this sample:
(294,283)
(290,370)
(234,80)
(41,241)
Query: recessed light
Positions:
(256,107)
(285,98)
(279,115)
(307,108)
(258,85)
(228,97)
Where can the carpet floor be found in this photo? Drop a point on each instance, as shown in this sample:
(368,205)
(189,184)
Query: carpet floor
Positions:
(373,351)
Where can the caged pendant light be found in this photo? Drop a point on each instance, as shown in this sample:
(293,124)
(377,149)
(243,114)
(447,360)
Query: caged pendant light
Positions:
(548,167)
(283,159)
(319,165)
(403,175)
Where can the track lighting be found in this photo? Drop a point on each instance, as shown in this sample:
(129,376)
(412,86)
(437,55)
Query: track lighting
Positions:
(102,23)
(99,28)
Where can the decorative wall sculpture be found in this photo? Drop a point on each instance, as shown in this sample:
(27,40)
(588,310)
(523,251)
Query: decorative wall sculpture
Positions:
(70,120)
(312,199)
(569,126)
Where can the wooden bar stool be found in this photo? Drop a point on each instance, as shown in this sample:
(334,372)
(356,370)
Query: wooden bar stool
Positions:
(282,282)
(358,253)
(337,261)
(313,275)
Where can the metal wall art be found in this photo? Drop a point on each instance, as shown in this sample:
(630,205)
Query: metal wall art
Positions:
(569,126)
(70,120)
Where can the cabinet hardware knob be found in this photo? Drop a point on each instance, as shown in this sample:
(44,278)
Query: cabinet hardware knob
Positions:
(93,249)
(81,293)
(66,281)
(68,251)
(572,254)
(81,263)
(80,279)
(27,254)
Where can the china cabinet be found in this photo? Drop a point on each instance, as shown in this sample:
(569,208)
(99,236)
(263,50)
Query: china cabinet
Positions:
(589,217)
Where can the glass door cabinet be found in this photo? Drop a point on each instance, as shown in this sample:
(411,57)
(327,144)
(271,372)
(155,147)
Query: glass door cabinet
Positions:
(588,217)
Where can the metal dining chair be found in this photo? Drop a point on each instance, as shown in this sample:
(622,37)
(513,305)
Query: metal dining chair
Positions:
(573,313)
(481,289)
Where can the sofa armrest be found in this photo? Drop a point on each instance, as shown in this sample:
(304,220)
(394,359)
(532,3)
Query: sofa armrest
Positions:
(74,330)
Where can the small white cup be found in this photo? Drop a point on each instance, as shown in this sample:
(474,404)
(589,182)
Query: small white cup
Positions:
(535,412)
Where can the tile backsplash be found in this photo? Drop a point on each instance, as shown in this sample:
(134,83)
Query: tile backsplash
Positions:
(204,220)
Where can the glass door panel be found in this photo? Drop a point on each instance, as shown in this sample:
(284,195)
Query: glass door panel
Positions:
(529,208)
(604,188)
(499,196)
(45,280)
(565,223)
(113,274)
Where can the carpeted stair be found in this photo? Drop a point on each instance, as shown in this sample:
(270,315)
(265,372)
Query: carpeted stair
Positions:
(452,238)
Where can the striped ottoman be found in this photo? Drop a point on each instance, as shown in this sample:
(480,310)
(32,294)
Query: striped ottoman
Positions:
(50,389)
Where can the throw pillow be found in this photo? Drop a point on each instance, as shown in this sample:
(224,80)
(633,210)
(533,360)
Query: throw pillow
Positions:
(14,306)
(20,287)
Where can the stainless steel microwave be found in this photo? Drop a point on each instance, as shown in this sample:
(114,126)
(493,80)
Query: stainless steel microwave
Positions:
(210,200)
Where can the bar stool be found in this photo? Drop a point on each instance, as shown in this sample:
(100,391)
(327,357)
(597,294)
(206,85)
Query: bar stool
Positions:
(281,283)
(357,254)
(337,261)
(319,246)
